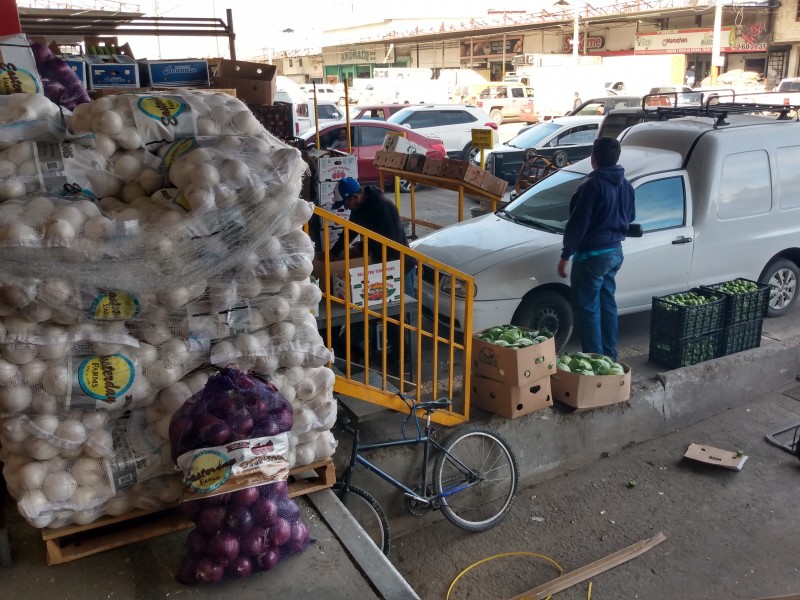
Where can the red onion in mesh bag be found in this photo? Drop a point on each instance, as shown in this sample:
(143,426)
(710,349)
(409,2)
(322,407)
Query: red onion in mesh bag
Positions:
(239,530)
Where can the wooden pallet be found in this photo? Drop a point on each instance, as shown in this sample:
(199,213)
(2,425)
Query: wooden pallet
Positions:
(106,533)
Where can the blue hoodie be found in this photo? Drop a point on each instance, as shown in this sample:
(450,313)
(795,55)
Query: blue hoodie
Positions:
(600,212)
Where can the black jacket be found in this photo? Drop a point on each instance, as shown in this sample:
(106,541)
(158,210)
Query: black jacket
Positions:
(379,215)
(600,212)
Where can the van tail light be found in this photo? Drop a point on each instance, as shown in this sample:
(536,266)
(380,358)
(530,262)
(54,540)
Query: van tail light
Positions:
(297,128)
(437,150)
(491,124)
(786,102)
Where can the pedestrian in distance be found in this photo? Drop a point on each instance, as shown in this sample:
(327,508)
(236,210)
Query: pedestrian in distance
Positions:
(601,211)
(690,76)
(577,101)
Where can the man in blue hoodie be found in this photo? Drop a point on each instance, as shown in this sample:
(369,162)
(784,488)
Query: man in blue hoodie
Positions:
(601,211)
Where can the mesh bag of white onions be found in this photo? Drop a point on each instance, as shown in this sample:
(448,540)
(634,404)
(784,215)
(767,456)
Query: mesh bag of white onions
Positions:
(122,466)
(29,117)
(230,441)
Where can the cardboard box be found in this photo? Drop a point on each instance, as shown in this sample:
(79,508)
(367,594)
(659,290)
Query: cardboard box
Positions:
(463,171)
(493,184)
(19,73)
(115,71)
(334,168)
(433,166)
(106,46)
(397,143)
(254,82)
(510,401)
(374,277)
(515,367)
(78,66)
(591,391)
(174,73)
(415,163)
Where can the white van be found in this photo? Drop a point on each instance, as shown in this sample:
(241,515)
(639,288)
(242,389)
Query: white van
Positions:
(717,199)
(288,91)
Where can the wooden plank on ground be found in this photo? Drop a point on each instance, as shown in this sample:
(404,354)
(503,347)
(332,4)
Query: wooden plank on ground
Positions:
(599,566)
(716,457)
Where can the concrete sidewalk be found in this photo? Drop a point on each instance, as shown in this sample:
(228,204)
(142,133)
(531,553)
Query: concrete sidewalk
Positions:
(341,563)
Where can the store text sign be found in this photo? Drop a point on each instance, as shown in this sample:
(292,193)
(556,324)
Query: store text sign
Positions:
(593,42)
(357,56)
(741,38)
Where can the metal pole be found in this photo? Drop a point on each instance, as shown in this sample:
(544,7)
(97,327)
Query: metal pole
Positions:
(503,75)
(716,58)
(575,33)
(347,115)
(231,34)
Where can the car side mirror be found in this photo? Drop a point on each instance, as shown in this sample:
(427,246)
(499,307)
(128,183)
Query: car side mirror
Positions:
(635,230)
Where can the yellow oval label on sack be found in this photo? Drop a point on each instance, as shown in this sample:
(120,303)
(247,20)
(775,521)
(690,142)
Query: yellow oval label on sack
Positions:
(176,150)
(17,81)
(161,108)
(106,378)
(208,470)
(115,306)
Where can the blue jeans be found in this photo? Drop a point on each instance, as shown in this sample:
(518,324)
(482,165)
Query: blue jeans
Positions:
(594,284)
(411,281)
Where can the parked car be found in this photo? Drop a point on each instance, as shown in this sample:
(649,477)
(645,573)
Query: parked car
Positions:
(715,202)
(324,92)
(367,138)
(504,101)
(563,140)
(378,112)
(451,124)
(468,93)
(604,105)
(327,111)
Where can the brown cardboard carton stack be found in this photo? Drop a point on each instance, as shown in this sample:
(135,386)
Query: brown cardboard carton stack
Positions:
(510,382)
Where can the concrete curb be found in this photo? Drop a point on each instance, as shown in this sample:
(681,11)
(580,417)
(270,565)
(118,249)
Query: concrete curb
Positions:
(554,441)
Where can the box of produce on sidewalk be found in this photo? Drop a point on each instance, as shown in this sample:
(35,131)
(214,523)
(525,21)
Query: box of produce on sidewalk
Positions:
(433,166)
(511,401)
(513,355)
(463,171)
(590,380)
(390,159)
(742,336)
(493,184)
(397,143)
(747,300)
(336,167)
(415,163)
(687,314)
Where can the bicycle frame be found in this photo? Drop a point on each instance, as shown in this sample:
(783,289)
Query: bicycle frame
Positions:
(426,440)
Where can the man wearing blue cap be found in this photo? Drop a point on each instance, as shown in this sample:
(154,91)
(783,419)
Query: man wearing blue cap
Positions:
(371,209)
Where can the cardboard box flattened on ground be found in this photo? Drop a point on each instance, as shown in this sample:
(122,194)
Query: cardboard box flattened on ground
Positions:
(715,456)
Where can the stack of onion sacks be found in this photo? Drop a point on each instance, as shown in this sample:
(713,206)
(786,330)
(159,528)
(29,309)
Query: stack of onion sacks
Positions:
(231,442)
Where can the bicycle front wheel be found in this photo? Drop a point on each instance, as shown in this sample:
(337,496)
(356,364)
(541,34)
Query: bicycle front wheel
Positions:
(477,477)
(368,513)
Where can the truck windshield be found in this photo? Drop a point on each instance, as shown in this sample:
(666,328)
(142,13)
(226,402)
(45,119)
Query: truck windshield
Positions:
(546,204)
(530,138)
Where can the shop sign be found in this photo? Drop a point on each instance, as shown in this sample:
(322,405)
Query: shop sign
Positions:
(491,48)
(750,37)
(593,42)
(357,56)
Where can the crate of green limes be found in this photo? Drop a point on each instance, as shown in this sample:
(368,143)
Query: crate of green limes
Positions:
(742,336)
(674,354)
(746,300)
(686,314)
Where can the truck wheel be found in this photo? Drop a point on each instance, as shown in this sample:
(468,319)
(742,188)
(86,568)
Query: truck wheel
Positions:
(497,116)
(406,185)
(548,310)
(782,275)
(469,153)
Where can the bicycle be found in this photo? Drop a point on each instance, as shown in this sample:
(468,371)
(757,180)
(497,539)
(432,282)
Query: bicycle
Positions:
(474,479)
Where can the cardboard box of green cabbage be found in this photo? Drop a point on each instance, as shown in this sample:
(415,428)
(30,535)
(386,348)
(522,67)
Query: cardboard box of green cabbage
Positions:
(513,355)
(510,401)
(578,389)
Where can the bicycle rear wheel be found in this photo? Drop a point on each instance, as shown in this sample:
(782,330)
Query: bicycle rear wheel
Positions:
(368,513)
(478,476)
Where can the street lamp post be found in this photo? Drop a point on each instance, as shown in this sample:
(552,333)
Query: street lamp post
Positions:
(575,27)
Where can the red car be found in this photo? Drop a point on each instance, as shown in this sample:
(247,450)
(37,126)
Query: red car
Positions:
(367,138)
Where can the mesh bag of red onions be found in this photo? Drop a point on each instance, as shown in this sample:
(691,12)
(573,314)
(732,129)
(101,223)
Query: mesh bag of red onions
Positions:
(231,442)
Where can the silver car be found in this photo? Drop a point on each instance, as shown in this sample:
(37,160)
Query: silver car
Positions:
(714,202)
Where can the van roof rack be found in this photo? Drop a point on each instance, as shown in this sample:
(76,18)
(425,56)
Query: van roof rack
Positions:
(716,105)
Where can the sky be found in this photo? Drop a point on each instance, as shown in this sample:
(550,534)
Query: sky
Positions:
(258,26)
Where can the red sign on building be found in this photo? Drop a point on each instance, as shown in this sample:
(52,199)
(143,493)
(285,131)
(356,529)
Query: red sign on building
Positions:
(593,42)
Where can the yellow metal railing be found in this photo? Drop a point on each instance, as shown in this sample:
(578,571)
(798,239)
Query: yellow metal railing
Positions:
(359,332)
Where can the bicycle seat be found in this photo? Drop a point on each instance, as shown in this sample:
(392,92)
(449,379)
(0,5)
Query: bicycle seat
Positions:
(432,405)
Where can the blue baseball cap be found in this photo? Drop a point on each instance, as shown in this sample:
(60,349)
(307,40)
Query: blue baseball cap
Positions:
(347,187)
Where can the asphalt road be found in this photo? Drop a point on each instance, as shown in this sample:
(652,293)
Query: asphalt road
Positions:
(729,534)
